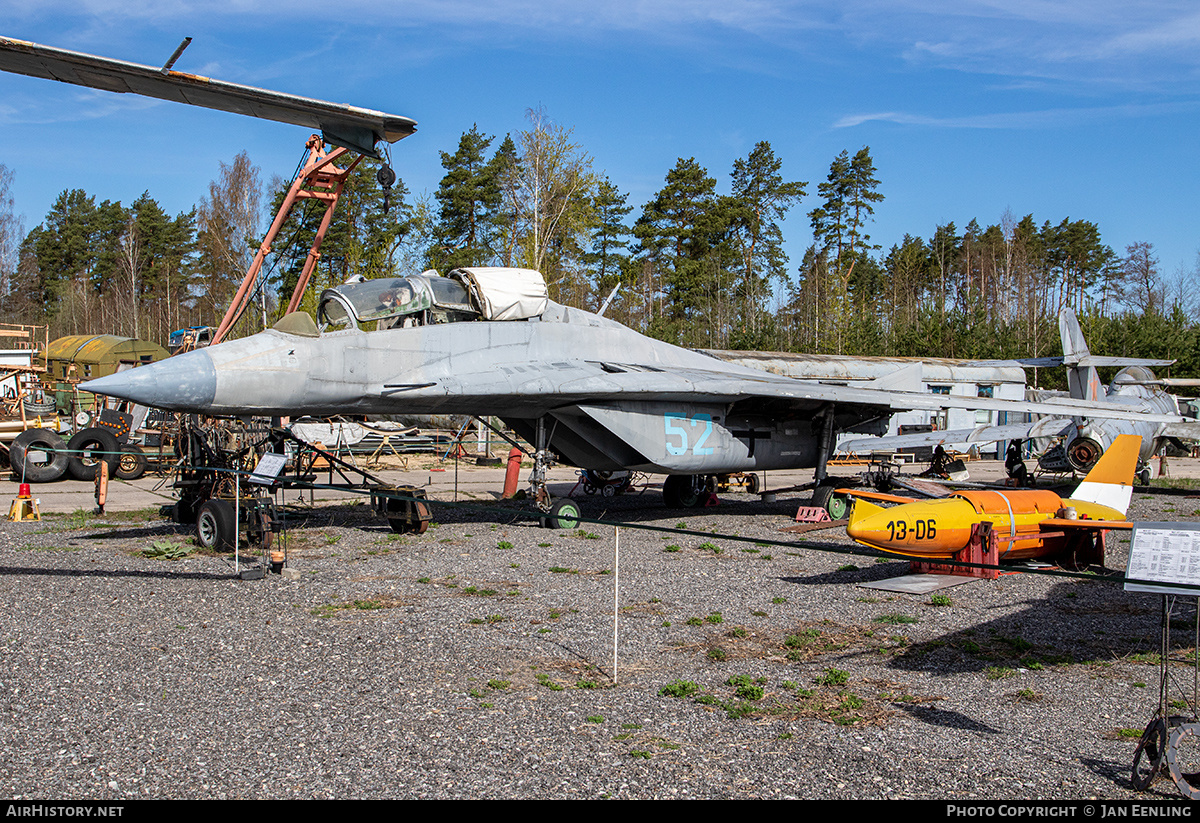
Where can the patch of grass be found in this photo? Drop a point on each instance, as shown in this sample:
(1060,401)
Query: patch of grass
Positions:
(491,619)
(543,679)
(717,654)
(833,677)
(498,685)
(940,600)
(166,550)
(895,619)
(1129,734)
(504,544)
(477,592)
(586,535)
(1028,696)
(737,631)
(694,621)
(998,672)
(671,548)
(778,601)
(563,570)
(586,684)
(679,688)
(849,567)
(595,718)
(745,688)
(710,547)
(714,617)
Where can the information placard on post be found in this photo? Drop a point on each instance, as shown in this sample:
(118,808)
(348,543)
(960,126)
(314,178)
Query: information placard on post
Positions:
(1166,553)
(268,469)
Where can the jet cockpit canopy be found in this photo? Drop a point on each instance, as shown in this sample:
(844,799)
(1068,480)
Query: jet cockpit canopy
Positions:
(487,293)
(419,299)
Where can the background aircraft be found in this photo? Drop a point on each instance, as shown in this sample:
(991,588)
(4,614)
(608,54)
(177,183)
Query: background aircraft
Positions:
(1085,427)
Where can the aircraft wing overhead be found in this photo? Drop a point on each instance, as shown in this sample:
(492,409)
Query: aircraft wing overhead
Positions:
(343,125)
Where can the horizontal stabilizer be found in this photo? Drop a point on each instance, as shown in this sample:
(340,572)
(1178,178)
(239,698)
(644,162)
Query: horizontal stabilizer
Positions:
(341,125)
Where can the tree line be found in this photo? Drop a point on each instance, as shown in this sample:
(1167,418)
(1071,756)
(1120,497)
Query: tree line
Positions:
(701,264)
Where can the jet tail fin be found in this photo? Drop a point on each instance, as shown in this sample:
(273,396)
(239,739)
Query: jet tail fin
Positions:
(1110,482)
(1082,380)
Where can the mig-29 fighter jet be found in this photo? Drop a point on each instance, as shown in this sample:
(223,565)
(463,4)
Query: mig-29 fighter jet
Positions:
(489,342)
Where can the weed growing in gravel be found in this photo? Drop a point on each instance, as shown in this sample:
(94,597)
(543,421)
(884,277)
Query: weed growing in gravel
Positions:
(778,601)
(679,688)
(166,550)
(489,620)
(717,654)
(737,631)
(833,677)
(472,590)
(504,544)
(715,617)
(595,718)
(586,535)
(745,687)
(1028,696)
(895,619)
(586,684)
(1129,734)
(998,672)
(849,567)
(710,547)
(563,570)
(940,600)
(499,685)
(671,548)
(423,580)
(543,679)
(694,621)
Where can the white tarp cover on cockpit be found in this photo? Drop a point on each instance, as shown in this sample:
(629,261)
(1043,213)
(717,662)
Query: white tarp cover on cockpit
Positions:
(504,293)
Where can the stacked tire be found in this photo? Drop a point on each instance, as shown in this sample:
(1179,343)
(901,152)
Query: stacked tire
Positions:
(39,456)
(89,448)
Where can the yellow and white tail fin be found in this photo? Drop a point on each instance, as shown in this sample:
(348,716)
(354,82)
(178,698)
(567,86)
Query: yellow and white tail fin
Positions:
(1110,482)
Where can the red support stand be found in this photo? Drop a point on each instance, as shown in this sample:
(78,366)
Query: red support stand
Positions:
(983,548)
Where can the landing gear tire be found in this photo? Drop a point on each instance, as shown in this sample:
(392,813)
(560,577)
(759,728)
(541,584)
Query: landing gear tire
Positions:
(132,463)
(752,484)
(88,448)
(563,515)
(682,491)
(835,504)
(1144,476)
(216,526)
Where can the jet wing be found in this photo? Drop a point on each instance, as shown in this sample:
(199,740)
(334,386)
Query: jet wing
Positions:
(342,125)
(580,381)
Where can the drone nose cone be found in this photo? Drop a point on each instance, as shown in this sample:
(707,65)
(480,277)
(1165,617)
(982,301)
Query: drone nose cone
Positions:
(186,382)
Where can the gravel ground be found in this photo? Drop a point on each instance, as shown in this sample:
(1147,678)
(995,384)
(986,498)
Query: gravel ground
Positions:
(476,661)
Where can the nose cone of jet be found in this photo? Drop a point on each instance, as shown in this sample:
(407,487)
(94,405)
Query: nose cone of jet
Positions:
(186,382)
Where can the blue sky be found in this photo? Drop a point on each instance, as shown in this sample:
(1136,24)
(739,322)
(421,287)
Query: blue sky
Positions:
(1086,110)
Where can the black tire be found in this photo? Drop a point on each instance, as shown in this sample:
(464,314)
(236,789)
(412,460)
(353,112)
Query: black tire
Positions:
(38,456)
(216,526)
(820,497)
(564,515)
(131,464)
(680,491)
(752,484)
(88,448)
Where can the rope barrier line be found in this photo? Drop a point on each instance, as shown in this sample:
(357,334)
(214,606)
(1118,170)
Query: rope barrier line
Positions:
(525,514)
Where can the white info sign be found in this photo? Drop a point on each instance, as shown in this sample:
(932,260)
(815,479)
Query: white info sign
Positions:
(1166,554)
